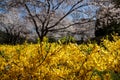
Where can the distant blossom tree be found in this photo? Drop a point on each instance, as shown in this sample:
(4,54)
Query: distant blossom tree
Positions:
(15,28)
(108,20)
(47,15)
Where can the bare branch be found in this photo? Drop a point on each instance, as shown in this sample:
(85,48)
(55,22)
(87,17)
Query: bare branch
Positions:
(70,11)
(76,23)
(36,26)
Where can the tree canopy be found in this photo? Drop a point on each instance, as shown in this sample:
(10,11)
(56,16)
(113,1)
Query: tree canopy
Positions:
(46,15)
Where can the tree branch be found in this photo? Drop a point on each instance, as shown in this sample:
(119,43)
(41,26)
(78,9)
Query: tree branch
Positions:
(70,11)
(57,5)
(77,23)
(34,21)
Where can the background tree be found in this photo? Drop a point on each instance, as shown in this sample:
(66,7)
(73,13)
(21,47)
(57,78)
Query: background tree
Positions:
(47,15)
(13,27)
(108,20)
(117,3)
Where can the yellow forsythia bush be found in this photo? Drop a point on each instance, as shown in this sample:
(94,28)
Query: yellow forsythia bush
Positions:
(54,61)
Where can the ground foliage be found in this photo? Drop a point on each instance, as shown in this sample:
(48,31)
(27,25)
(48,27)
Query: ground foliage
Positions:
(57,61)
